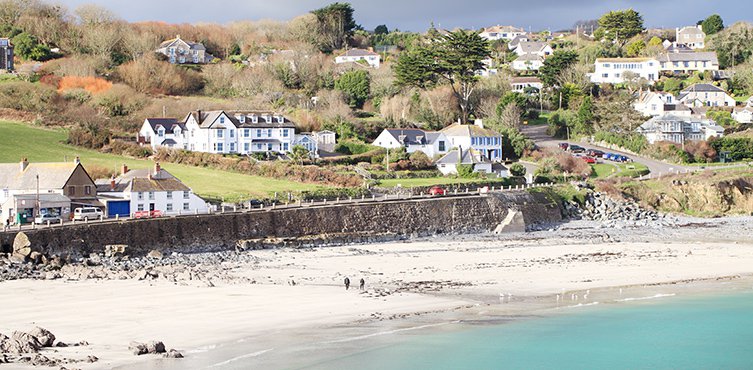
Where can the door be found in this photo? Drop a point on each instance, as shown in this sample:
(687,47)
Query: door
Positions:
(151,206)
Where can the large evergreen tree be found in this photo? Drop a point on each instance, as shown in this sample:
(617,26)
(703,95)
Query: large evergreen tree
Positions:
(335,25)
(453,59)
(555,64)
(712,24)
(619,26)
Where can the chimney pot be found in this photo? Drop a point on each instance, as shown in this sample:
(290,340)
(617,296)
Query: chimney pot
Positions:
(77,160)
(112,183)
(157,168)
(24,163)
(123,169)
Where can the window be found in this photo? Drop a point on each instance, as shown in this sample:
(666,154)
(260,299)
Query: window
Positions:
(169,195)
(232,147)
(442,147)
(71,190)
(220,133)
(169,207)
(258,133)
(269,147)
(219,147)
(151,195)
(222,119)
(140,196)
(140,207)
(246,147)
(232,133)
(258,146)
(605,75)
(269,132)
(161,133)
(186,193)
(285,147)
(186,207)
(246,132)
(87,190)
(284,132)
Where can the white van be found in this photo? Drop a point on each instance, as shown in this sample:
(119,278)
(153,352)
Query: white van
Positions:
(87,213)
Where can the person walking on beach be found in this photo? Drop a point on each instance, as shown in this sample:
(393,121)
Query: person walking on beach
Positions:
(347,283)
(362,284)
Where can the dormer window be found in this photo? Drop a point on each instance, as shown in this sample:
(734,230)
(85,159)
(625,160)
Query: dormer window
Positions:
(280,119)
(268,119)
(242,118)
(254,118)
(161,132)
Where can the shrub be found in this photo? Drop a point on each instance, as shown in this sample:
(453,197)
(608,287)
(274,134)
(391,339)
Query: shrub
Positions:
(26,96)
(149,75)
(517,169)
(351,146)
(355,85)
(738,147)
(419,161)
(466,171)
(632,141)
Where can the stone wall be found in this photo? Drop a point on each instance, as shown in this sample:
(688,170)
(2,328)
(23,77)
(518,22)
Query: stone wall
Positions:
(299,226)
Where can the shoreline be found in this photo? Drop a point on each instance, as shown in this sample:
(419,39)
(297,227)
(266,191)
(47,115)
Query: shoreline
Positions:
(218,301)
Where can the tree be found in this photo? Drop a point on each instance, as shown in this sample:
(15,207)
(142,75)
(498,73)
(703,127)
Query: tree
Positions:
(713,24)
(655,41)
(298,153)
(419,160)
(635,48)
(453,58)
(355,85)
(517,170)
(335,25)
(619,26)
(381,30)
(28,47)
(512,98)
(585,117)
(555,64)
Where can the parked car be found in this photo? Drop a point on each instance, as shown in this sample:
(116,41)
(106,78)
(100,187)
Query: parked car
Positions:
(437,190)
(577,149)
(589,160)
(625,159)
(595,153)
(43,219)
(87,213)
(564,146)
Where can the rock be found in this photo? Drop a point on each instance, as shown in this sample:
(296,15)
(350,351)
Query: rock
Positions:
(17,258)
(173,354)
(51,275)
(35,257)
(19,343)
(91,359)
(155,347)
(44,337)
(154,254)
(137,348)
(115,250)
(22,244)
(61,345)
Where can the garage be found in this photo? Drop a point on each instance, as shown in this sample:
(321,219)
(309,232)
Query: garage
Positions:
(120,208)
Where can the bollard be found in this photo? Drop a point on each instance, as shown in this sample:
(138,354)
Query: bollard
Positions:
(48,223)
(235,208)
(325,200)
(373,197)
(274,205)
(350,199)
(196,211)
(337,200)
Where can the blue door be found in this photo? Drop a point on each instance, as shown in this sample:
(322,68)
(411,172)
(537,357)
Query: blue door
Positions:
(120,208)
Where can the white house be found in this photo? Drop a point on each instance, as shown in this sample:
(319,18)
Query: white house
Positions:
(516,41)
(241,132)
(501,33)
(679,129)
(523,84)
(693,37)
(356,55)
(164,132)
(684,62)
(532,47)
(743,114)
(654,103)
(146,191)
(528,62)
(706,95)
(612,70)
(414,140)
(487,142)
(448,164)
(179,51)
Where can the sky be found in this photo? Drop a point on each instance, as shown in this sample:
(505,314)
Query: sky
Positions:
(412,15)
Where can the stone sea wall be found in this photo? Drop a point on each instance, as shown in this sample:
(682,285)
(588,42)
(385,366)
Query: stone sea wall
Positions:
(336,224)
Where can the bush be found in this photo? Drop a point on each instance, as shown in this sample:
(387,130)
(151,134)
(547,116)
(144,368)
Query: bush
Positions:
(466,171)
(738,148)
(353,147)
(632,141)
(419,161)
(149,75)
(27,96)
(517,169)
(355,85)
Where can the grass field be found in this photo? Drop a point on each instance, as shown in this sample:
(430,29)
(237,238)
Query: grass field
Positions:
(604,170)
(407,183)
(19,140)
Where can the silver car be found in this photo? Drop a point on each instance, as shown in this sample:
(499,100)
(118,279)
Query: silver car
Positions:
(43,219)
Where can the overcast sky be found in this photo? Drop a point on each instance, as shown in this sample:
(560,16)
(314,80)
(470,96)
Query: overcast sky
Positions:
(417,15)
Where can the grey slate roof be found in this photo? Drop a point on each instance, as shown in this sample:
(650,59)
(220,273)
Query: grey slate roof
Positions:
(408,136)
(530,57)
(51,175)
(708,56)
(468,158)
(169,124)
(702,88)
(358,53)
(531,46)
(209,117)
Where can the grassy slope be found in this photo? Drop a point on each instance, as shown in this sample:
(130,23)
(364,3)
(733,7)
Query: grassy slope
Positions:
(18,140)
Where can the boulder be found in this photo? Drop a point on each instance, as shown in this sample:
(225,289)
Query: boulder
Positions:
(44,337)
(22,244)
(155,347)
(115,250)
(173,354)
(19,343)
(137,348)
(154,254)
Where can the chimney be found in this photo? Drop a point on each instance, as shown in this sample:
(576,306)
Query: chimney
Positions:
(77,160)
(177,36)
(24,164)
(157,168)
(112,183)
(479,122)
(123,169)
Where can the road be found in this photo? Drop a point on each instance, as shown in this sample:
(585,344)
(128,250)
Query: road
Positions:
(538,134)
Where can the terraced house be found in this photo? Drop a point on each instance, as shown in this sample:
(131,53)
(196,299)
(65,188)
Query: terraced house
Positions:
(240,132)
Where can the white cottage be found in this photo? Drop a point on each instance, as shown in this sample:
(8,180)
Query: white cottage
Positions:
(356,55)
(242,132)
(487,142)
(612,70)
(413,140)
(164,132)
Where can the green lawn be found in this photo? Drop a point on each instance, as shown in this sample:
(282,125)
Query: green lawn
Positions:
(18,140)
(542,120)
(604,170)
(407,183)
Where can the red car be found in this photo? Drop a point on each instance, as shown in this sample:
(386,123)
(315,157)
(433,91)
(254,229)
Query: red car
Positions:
(437,190)
(589,160)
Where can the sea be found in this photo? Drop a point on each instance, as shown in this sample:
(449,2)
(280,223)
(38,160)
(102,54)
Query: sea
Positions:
(658,331)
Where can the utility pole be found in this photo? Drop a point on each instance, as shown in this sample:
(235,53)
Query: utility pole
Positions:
(39,204)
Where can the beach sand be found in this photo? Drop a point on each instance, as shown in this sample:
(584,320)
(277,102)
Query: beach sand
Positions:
(403,279)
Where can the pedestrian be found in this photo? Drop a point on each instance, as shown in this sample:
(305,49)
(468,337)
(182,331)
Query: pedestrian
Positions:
(7,223)
(347,283)
(362,284)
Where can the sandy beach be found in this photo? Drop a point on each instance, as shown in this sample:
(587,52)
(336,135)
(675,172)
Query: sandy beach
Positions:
(290,290)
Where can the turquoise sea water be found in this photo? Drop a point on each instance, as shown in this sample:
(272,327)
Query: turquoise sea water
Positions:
(712,332)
